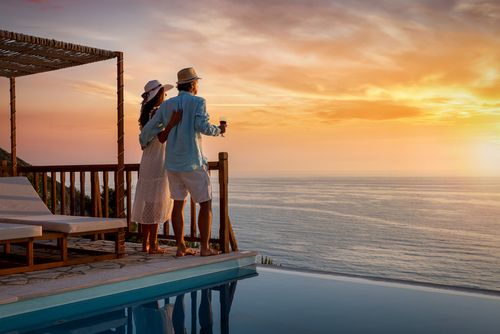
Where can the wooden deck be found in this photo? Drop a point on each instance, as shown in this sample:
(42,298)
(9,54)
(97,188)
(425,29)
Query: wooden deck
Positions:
(18,289)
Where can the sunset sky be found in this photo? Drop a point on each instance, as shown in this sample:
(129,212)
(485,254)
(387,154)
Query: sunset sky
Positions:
(403,88)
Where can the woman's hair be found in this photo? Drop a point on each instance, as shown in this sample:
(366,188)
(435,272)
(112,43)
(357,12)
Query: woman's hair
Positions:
(187,87)
(149,106)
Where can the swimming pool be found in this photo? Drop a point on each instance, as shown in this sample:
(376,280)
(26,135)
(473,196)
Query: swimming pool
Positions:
(272,301)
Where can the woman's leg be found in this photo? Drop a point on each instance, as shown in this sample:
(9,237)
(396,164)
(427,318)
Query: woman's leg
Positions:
(154,246)
(145,237)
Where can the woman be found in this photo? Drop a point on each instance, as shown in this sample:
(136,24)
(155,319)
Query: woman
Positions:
(152,203)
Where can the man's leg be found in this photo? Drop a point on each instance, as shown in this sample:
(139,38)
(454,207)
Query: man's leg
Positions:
(205,226)
(178,225)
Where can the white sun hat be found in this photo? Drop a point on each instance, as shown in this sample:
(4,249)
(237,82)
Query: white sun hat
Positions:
(152,88)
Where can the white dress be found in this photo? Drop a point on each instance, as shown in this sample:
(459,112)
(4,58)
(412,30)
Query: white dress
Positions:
(152,202)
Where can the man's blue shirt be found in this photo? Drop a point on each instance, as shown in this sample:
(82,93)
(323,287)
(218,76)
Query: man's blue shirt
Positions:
(184,151)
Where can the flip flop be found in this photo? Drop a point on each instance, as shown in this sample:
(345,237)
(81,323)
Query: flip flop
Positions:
(159,250)
(211,252)
(187,251)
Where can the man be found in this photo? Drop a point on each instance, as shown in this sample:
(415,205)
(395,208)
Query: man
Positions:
(186,166)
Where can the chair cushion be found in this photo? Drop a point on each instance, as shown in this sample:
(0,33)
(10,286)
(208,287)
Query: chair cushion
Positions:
(67,224)
(17,197)
(18,231)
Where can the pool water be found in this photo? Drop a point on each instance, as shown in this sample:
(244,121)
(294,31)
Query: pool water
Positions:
(272,301)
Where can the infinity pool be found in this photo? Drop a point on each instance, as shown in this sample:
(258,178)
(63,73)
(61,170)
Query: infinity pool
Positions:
(272,301)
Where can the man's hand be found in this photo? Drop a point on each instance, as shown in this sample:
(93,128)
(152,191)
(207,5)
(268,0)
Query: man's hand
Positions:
(222,128)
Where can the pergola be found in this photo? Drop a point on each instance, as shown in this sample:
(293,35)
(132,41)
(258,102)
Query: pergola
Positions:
(22,55)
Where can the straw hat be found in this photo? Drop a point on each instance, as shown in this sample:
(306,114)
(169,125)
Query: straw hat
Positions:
(186,75)
(152,88)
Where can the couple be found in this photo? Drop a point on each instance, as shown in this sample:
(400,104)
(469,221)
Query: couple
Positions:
(169,171)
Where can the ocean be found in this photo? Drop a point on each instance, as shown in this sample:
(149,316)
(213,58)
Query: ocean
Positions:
(432,230)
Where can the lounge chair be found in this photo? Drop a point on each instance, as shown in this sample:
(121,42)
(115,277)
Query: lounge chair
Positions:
(20,204)
(18,234)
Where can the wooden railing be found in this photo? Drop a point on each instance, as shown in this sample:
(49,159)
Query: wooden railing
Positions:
(51,184)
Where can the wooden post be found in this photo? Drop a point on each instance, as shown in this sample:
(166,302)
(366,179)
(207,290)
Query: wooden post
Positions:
(223,202)
(44,187)
(129,196)
(36,179)
(13,152)
(95,194)
(4,169)
(119,187)
(82,193)
(53,191)
(63,192)
(105,181)
(72,194)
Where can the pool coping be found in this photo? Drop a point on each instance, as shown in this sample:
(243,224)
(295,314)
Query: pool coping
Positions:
(153,272)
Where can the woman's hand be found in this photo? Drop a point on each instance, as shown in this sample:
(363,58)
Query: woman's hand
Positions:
(174,120)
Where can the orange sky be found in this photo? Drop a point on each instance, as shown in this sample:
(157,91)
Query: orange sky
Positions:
(308,87)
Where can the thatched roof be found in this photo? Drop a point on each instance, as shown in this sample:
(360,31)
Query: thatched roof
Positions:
(23,54)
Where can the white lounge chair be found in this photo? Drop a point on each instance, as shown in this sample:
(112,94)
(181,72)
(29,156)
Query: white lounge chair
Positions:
(17,234)
(20,204)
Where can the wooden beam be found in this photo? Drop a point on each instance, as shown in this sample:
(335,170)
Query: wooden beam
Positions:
(223,203)
(13,151)
(121,149)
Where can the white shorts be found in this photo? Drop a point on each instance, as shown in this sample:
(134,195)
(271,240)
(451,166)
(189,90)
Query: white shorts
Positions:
(197,183)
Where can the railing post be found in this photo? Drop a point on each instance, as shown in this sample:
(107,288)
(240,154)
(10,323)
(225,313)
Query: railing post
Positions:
(129,197)
(223,200)
(105,181)
(53,192)
(62,180)
(72,194)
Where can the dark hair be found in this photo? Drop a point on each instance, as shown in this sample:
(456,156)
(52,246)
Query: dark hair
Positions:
(187,87)
(148,106)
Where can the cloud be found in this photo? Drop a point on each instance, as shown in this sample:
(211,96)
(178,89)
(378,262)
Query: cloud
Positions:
(102,90)
(479,9)
(365,110)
